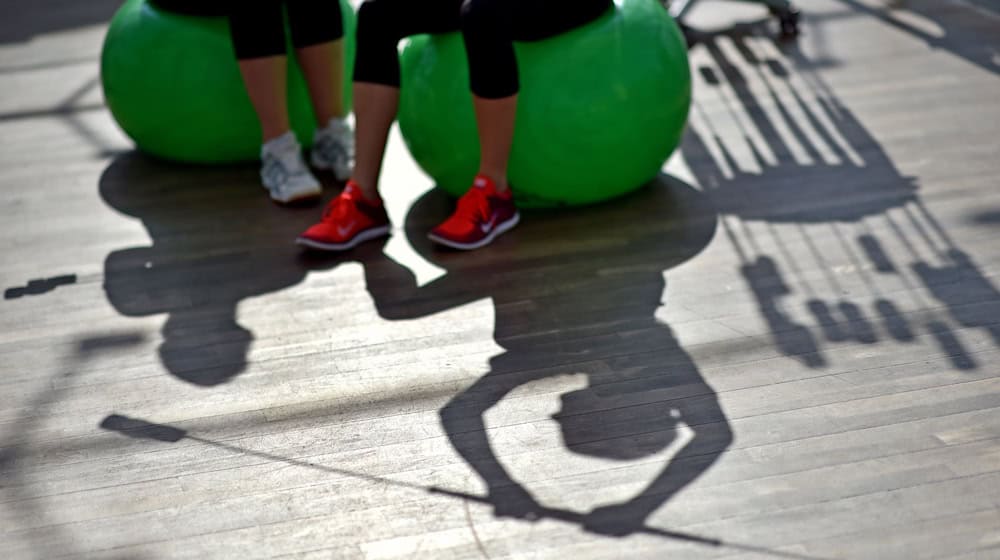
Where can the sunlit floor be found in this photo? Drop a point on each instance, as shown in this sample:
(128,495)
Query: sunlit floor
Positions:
(783,347)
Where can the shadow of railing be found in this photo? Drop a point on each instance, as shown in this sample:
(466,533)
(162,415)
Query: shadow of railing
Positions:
(25,19)
(812,203)
(965,28)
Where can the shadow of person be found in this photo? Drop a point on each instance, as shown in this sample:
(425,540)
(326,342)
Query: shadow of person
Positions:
(215,241)
(575,291)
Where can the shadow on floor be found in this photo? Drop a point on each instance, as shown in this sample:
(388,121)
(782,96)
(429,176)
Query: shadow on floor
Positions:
(575,292)
(216,239)
(835,243)
(24,19)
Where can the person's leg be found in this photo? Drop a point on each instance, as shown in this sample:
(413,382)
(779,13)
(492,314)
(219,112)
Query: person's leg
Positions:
(489,28)
(487,209)
(322,65)
(317,34)
(375,107)
(264,78)
(259,42)
(486,30)
(381,25)
(495,122)
(357,214)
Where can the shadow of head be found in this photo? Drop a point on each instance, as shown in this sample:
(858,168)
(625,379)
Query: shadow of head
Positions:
(591,424)
(204,351)
(215,240)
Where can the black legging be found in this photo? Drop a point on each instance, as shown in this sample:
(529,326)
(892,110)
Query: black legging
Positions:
(257,27)
(489,28)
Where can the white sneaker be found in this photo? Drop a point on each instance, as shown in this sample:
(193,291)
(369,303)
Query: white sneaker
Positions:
(284,173)
(333,148)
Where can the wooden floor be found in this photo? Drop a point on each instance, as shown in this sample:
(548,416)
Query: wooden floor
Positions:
(786,346)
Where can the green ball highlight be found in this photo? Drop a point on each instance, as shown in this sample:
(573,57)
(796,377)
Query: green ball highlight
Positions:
(173,84)
(600,108)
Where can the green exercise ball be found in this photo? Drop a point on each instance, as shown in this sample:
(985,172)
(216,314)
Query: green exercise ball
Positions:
(599,111)
(173,84)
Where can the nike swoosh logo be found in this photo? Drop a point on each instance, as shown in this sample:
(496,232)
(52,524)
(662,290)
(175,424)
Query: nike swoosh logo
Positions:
(344,230)
(486,227)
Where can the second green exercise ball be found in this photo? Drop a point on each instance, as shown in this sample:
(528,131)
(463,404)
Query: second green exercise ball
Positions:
(600,108)
(173,84)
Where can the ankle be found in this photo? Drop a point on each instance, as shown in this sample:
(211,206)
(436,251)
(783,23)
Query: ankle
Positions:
(500,187)
(334,123)
(281,143)
(368,194)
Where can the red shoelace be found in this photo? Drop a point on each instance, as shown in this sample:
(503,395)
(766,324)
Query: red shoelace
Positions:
(340,208)
(474,206)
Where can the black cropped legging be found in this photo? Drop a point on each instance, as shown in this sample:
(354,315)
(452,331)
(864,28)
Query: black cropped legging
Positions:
(489,28)
(258,30)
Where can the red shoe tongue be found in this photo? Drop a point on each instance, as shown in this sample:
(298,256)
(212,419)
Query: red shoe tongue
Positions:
(482,182)
(353,192)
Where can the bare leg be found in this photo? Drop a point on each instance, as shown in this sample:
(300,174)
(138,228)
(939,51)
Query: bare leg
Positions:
(375,107)
(495,119)
(322,66)
(264,78)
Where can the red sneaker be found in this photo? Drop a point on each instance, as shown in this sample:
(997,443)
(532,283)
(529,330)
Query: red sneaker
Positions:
(480,216)
(348,220)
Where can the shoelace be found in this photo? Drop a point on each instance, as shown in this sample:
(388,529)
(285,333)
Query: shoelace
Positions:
(274,171)
(329,147)
(474,206)
(288,163)
(340,207)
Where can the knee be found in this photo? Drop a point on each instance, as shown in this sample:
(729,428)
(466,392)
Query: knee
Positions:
(724,435)
(449,413)
(375,20)
(482,15)
(460,410)
(370,13)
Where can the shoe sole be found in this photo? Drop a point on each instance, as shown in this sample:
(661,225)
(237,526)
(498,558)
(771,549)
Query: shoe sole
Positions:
(304,200)
(366,235)
(305,197)
(502,227)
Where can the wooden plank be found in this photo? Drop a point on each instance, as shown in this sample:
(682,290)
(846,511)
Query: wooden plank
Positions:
(821,313)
